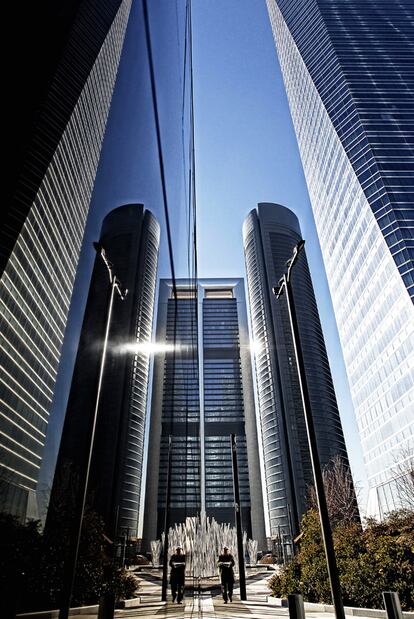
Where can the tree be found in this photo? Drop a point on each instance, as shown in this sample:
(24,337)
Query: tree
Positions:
(19,545)
(31,566)
(404,477)
(378,558)
(341,496)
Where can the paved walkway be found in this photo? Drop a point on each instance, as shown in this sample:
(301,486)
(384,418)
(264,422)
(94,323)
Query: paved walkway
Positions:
(208,604)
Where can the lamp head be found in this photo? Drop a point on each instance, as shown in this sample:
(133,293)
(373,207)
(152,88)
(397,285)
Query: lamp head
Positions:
(278,290)
(296,251)
(122,292)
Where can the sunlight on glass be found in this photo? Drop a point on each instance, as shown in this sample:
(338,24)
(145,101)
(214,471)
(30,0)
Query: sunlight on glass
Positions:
(152,348)
(256,347)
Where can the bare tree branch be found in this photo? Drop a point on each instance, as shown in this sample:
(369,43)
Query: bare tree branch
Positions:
(404,477)
(341,494)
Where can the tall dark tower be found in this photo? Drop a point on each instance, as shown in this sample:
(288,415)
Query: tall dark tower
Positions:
(130,238)
(270,234)
(203,392)
(347,68)
(54,48)
(59,95)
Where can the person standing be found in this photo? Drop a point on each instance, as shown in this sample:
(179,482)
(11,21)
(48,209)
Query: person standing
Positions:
(226,564)
(177,576)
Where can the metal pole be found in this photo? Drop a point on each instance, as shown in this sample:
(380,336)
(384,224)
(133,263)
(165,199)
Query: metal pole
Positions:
(237,509)
(166,524)
(107,600)
(124,544)
(281,556)
(313,448)
(292,543)
(296,606)
(71,560)
(392,605)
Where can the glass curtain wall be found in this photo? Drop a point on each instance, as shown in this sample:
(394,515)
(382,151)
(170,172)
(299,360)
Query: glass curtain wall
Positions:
(42,235)
(346,72)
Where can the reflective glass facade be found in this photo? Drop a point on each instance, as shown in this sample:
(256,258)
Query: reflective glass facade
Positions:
(45,239)
(223,409)
(202,386)
(346,71)
(270,234)
(130,237)
(180,413)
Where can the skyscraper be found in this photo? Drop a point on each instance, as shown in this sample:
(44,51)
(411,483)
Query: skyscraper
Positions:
(60,123)
(346,67)
(202,392)
(270,234)
(130,238)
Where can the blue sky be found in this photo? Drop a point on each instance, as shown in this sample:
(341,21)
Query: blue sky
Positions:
(246,153)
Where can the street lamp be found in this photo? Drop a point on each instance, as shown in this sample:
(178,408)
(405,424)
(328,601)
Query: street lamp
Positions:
(164,585)
(70,563)
(284,286)
(237,513)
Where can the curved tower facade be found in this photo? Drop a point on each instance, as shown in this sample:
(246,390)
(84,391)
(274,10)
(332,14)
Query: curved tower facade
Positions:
(130,238)
(270,233)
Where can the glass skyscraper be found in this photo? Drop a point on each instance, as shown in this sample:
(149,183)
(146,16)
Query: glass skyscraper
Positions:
(42,234)
(270,233)
(346,67)
(130,237)
(202,392)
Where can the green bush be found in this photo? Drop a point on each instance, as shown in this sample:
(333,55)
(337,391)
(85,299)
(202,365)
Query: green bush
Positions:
(20,549)
(378,558)
(31,567)
(287,582)
(124,585)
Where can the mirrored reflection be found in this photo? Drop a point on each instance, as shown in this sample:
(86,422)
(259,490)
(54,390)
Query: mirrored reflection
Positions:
(115,212)
(151,100)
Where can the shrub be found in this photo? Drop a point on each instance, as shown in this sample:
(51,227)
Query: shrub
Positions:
(124,585)
(31,566)
(370,561)
(287,582)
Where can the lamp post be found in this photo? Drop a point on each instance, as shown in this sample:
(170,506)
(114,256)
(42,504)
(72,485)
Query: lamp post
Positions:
(70,563)
(237,509)
(164,585)
(284,286)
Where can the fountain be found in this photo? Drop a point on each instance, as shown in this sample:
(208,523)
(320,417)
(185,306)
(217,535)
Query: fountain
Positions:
(156,552)
(202,540)
(252,551)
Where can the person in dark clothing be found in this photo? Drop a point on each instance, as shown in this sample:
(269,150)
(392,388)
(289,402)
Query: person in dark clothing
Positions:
(226,563)
(177,576)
